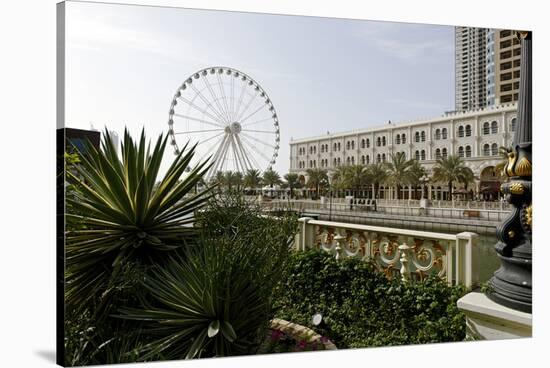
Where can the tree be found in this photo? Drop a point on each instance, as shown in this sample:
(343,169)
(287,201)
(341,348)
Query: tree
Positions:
(271,178)
(416,173)
(377,174)
(252,179)
(398,171)
(219,179)
(317,179)
(238,180)
(356,177)
(339,178)
(293,182)
(451,169)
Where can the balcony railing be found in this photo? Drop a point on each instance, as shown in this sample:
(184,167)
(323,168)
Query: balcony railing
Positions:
(408,254)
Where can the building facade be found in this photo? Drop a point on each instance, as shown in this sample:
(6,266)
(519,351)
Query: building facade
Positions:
(505,53)
(487,63)
(475,135)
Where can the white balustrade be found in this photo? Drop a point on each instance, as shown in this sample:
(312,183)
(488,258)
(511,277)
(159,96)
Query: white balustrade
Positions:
(409,254)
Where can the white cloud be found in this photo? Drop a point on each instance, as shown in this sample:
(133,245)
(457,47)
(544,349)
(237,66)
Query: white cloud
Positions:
(388,38)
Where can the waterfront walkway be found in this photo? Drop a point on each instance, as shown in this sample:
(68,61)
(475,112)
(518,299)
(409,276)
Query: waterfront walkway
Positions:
(427,219)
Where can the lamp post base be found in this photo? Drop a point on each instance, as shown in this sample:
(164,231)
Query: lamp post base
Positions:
(489,320)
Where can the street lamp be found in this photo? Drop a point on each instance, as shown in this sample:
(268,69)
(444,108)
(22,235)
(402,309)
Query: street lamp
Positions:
(511,284)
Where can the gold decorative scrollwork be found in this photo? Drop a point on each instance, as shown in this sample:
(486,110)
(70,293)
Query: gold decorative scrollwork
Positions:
(510,164)
(517,188)
(523,167)
(529,215)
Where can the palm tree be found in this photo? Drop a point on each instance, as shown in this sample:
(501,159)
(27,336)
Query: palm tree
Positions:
(398,171)
(238,180)
(339,177)
(356,177)
(377,174)
(219,179)
(252,179)
(416,173)
(317,178)
(451,169)
(292,181)
(229,178)
(271,178)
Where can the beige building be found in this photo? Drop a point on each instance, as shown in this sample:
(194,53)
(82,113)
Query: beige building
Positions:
(475,135)
(504,53)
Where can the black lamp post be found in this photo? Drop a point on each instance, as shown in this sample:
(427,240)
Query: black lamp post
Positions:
(512,282)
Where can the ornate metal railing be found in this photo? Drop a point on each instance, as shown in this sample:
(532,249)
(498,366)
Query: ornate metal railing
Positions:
(408,254)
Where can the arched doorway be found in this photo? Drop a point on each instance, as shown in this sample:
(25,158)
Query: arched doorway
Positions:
(489,184)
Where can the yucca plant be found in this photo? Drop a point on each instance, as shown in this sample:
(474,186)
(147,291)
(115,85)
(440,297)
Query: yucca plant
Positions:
(216,301)
(125,217)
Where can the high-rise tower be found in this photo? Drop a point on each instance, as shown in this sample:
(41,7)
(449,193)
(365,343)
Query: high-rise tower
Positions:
(470,68)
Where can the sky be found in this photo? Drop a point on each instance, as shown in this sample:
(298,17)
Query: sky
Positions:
(124,63)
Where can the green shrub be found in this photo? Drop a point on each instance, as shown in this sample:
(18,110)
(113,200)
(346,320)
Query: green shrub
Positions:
(217,301)
(362,308)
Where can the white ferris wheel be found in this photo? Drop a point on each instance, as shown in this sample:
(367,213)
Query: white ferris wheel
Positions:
(229,116)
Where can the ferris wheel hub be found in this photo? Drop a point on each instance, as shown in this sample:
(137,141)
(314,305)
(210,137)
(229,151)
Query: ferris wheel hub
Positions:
(235,128)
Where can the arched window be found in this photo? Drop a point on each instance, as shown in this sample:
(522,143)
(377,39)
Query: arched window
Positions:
(417,137)
(468,130)
(437,153)
(378,141)
(417,155)
(335,161)
(339,147)
(383,157)
(444,153)
(444,133)
(352,144)
(513,125)
(494,127)
(486,128)
(363,159)
(368,142)
(322,148)
(404,154)
(353,160)
(398,139)
(423,136)
(378,158)
(460,151)
(403,138)
(438,134)
(347,145)
(384,140)
(363,143)
(468,151)
(339,161)
(335,147)
(494,149)
(423,155)
(314,163)
(348,160)
(368,159)
(461,131)
(486,150)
